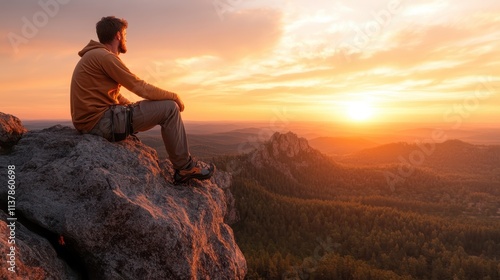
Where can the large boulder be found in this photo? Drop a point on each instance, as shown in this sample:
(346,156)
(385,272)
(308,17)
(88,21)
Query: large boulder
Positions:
(11,130)
(114,207)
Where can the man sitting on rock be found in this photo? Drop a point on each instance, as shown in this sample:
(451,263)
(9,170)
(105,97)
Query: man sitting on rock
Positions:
(95,87)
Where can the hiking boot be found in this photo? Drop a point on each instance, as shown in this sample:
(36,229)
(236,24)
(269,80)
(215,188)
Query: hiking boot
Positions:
(198,170)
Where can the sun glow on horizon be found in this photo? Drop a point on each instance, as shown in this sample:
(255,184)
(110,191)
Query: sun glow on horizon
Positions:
(359,111)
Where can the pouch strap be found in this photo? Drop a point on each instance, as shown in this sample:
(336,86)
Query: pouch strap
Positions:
(130,118)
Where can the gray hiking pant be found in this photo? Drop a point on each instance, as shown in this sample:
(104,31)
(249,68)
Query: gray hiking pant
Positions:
(146,115)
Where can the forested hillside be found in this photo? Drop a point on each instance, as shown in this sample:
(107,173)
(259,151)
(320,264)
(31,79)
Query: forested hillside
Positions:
(304,216)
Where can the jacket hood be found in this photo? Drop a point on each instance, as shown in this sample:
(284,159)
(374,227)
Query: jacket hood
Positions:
(91,46)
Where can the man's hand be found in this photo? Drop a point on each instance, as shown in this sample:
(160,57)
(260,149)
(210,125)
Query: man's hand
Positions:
(179,102)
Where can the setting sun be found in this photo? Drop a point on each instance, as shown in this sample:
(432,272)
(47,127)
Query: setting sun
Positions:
(359,111)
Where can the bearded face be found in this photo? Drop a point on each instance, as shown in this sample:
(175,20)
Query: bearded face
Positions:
(122,47)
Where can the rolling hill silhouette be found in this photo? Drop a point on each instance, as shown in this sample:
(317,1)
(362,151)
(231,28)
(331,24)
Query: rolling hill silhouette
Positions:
(334,146)
(452,156)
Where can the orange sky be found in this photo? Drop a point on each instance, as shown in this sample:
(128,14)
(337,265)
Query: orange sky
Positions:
(415,61)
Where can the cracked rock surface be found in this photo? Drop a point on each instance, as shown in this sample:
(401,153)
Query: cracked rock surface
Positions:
(118,211)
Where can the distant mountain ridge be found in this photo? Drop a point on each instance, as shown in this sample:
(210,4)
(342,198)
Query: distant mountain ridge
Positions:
(335,146)
(451,156)
(310,174)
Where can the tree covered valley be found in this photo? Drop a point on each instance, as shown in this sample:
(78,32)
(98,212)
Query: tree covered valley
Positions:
(395,211)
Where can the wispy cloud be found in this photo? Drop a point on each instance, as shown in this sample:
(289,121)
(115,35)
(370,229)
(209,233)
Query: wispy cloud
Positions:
(413,58)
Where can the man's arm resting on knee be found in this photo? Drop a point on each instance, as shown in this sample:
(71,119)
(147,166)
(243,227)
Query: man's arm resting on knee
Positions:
(115,68)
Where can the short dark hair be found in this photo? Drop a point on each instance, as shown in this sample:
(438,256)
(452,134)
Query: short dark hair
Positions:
(107,27)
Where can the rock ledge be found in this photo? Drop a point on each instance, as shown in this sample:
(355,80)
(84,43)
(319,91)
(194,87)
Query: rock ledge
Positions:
(115,208)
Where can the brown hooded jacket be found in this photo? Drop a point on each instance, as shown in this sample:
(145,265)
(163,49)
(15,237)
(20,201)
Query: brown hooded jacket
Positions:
(96,82)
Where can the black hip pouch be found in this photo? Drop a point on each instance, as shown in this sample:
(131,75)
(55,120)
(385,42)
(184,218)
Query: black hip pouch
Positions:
(121,122)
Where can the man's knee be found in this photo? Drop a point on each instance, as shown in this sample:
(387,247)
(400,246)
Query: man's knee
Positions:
(169,108)
(170,105)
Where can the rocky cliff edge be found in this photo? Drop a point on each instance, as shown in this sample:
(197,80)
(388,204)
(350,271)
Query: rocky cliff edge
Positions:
(90,209)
